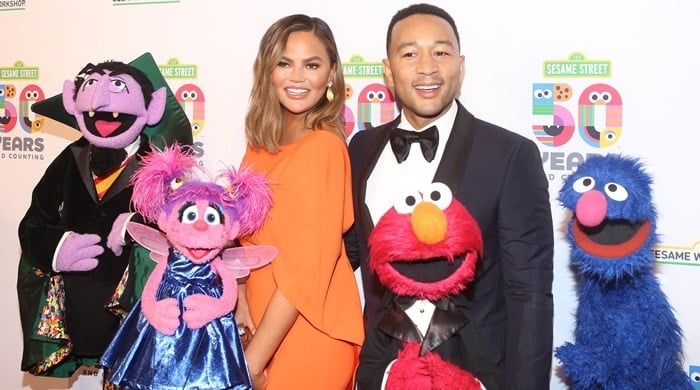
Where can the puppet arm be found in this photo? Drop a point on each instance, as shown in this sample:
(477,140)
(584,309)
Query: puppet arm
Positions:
(201,309)
(116,238)
(162,314)
(583,366)
(427,371)
(78,252)
(409,371)
(445,375)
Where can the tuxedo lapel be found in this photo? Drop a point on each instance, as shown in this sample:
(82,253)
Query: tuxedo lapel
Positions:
(81,153)
(131,167)
(451,169)
(374,150)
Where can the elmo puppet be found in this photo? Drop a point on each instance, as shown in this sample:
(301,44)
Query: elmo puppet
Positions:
(425,250)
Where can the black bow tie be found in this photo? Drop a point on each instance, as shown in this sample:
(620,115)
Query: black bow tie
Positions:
(401,141)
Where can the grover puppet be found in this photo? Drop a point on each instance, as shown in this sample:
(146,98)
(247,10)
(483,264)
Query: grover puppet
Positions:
(182,334)
(66,279)
(626,334)
(425,250)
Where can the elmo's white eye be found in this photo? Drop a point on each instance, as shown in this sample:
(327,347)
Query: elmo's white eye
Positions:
(438,194)
(616,192)
(406,202)
(584,184)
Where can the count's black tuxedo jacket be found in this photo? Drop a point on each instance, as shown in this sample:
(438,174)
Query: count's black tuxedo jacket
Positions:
(498,176)
(65,200)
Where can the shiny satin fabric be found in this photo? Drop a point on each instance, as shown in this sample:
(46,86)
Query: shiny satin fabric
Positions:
(207,358)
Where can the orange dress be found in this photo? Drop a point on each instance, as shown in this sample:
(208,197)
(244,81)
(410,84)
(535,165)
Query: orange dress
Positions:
(312,208)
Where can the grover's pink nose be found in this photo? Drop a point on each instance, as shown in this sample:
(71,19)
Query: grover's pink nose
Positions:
(591,208)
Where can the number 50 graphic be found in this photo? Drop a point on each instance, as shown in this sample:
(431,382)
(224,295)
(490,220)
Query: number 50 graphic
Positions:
(599,114)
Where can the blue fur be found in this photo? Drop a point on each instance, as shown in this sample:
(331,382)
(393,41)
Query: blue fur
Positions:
(627,336)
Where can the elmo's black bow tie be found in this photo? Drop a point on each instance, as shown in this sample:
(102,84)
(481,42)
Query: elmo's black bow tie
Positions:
(401,141)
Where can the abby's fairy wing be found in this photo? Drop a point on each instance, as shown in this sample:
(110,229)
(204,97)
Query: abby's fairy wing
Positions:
(241,259)
(150,238)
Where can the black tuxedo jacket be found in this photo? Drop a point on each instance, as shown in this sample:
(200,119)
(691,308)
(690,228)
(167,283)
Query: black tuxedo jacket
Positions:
(451,335)
(498,176)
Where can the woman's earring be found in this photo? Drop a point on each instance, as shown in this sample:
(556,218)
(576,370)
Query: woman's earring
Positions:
(329,92)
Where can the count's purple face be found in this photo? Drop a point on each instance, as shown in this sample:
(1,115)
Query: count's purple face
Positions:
(110,109)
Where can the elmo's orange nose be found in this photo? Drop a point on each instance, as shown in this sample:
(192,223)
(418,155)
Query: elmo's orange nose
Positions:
(429,223)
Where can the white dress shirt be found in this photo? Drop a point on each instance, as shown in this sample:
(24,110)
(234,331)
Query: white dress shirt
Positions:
(390,179)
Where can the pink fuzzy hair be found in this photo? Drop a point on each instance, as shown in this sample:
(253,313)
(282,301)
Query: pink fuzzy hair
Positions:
(173,174)
(154,181)
(252,190)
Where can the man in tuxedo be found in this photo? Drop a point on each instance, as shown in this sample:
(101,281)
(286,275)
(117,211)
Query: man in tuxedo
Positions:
(495,173)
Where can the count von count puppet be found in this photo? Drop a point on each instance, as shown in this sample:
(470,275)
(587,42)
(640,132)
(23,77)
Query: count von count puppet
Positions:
(182,333)
(70,288)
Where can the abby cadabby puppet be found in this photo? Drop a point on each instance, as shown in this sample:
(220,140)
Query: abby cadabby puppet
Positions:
(182,333)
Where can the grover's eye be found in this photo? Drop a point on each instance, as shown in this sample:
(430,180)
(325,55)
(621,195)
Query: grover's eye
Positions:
(584,184)
(616,191)
(406,202)
(438,194)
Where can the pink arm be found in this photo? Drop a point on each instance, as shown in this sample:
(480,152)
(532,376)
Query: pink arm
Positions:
(200,309)
(230,285)
(163,315)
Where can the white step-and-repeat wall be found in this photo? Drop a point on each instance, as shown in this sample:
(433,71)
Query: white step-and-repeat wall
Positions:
(644,52)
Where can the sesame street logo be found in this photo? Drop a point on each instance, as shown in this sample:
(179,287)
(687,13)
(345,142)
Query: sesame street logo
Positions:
(561,108)
(189,95)
(669,254)
(15,112)
(571,111)
(374,104)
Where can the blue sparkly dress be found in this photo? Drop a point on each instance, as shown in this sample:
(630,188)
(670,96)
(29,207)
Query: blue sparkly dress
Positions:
(140,357)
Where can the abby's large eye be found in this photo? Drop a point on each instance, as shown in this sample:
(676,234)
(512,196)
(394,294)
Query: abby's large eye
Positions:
(189,214)
(616,192)
(438,194)
(584,184)
(407,201)
(212,216)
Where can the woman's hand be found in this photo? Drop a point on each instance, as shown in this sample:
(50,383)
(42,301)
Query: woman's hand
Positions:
(259,380)
(242,312)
